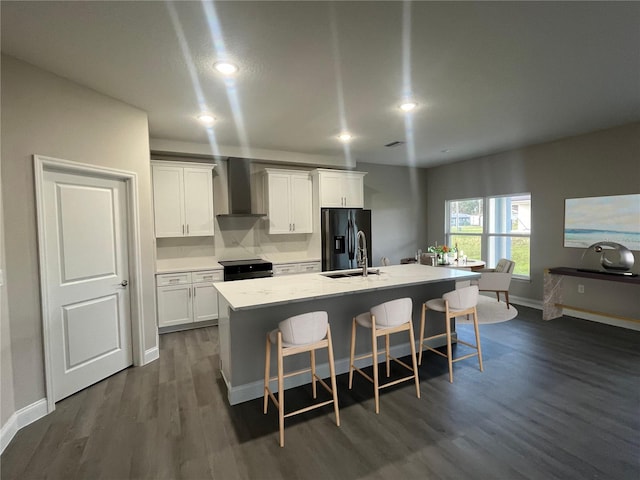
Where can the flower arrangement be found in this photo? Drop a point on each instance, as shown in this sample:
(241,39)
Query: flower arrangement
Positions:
(439,249)
(442,251)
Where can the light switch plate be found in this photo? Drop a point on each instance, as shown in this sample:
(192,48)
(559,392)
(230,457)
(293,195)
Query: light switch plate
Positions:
(1,277)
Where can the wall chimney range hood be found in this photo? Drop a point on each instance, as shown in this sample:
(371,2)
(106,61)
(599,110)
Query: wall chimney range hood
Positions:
(239,188)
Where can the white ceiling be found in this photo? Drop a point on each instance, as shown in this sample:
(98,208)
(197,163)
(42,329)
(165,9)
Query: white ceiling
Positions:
(488,76)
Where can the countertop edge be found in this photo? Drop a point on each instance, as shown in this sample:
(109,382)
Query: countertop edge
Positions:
(460,275)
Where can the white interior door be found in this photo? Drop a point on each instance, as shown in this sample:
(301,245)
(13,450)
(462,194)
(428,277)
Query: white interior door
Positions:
(87,276)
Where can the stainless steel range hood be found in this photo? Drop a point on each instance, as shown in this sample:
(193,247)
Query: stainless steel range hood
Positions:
(239,188)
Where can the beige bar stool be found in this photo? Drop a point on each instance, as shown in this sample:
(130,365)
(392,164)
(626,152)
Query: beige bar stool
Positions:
(301,333)
(459,302)
(383,320)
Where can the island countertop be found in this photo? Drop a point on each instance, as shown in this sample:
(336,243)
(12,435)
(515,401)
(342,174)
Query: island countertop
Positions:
(256,293)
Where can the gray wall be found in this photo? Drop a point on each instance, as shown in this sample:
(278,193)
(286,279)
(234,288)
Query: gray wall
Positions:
(7,406)
(396,196)
(48,115)
(601,163)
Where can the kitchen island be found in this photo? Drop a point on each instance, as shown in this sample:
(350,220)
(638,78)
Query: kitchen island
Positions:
(248,309)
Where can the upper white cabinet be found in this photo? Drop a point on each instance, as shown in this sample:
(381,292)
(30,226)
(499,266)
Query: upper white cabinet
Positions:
(182,199)
(288,200)
(340,189)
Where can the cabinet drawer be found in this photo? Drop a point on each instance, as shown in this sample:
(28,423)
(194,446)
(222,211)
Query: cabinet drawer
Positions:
(173,279)
(309,267)
(285,269)
(207,276)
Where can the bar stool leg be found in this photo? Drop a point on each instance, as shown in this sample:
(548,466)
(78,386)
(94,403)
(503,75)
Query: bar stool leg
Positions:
(374,347)
(413,358)
(353,352)
(312,353)
(449,349)
(280,389)
(267,373)
(332,372)
(477,330)
(386,345)
(422,322)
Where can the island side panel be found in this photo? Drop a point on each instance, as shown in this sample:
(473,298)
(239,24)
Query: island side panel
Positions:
(244,335)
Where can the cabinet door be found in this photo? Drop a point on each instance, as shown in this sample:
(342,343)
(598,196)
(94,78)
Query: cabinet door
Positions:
(353,186)
(174,305)
(285,269)
(168,201)
(205,302)
(301,204)
(331,186)
(198,202)
(279,199)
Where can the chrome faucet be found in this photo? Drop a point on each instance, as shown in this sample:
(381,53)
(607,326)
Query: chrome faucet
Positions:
(363,258)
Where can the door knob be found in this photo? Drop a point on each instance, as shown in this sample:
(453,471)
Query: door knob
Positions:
(124,283)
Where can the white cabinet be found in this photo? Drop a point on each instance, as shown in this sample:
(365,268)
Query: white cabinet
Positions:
(187,297)
(288,200)
(340,189)
(182,199)
(298,267)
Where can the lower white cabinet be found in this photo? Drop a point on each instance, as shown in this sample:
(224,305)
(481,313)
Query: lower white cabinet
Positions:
(298,267)
(187,297)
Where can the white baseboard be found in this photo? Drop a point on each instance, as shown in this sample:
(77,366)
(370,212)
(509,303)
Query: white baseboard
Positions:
(151,355)
(527,302)
(20,419)
(616,322)
(8,431)
(592,317)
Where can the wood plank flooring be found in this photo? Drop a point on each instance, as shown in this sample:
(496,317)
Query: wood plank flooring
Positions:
(558,399)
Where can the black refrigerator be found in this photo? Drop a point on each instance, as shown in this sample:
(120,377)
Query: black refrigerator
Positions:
(339,229)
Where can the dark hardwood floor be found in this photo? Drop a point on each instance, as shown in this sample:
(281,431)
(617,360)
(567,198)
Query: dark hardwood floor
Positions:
(558,399)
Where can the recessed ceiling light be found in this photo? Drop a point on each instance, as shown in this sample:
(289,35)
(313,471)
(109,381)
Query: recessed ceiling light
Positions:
(206,118)
(408,106)
(345,137)
(225,68)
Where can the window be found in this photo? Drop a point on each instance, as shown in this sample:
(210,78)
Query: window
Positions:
(504,232)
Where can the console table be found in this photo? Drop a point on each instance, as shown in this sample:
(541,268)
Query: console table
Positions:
(552,298)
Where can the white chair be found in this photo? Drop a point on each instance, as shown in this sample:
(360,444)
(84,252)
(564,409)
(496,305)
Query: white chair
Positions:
(301,333)
(459,302)
(497,279)
(383,320)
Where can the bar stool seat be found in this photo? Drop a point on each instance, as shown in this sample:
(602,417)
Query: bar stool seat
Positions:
(383,320)
(456,303)
(307,332)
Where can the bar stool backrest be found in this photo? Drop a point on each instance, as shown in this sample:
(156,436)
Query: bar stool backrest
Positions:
(303,329)
(462,298)
(393,313)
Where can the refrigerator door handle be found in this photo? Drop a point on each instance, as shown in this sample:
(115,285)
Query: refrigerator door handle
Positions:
(350,238)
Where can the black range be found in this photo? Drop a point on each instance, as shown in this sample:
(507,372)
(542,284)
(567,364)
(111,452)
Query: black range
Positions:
(246,269)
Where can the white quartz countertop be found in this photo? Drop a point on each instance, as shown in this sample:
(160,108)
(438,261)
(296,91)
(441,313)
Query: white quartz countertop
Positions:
(192,264)
(256,293)
(195,264)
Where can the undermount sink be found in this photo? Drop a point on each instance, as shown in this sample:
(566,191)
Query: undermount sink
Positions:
(346,274)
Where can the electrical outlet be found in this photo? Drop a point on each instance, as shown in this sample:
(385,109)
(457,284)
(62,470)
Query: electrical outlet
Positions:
(580,288)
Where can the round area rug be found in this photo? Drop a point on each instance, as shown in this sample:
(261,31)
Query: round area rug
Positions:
(491,311)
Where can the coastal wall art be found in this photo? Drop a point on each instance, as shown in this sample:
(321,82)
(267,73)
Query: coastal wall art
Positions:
(614,218)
